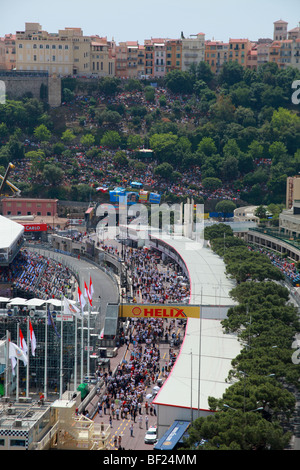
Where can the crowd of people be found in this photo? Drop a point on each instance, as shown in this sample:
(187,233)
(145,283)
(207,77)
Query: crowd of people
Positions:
(101,170)
(126,394)
(37,275)
(287,267)
(152,279)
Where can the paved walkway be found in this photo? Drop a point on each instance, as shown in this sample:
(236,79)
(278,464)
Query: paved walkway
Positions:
(127,432)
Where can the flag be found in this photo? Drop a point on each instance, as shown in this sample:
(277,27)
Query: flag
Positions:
(51,322)
(89,291)
(16,353)
(69,308)
(81,299)
(86,291)
(23,344)
(32,339)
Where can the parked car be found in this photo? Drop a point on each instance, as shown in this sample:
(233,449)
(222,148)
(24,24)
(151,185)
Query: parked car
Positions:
(151,435)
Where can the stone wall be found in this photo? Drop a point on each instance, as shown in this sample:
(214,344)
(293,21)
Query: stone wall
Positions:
(18,84)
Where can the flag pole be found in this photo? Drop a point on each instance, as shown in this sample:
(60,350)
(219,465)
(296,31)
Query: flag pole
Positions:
(61,351)
(88,343)
(75,357)
(27,370)
(46,352)
(82,323)
(17,378)
(7,364)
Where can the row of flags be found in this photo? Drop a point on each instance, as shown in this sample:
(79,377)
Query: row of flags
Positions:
(21,351)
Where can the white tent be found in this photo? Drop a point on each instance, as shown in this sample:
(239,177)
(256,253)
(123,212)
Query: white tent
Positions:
(17,301)
(35,302)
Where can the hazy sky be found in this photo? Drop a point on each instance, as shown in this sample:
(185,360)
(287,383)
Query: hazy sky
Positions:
(130,20)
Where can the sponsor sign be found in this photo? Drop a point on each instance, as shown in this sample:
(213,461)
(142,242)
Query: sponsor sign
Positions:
(35,227)
(158,311)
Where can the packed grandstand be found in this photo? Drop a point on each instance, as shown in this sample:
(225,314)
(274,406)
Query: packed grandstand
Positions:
(27,273)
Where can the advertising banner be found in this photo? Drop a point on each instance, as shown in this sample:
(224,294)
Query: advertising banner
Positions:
(158,311)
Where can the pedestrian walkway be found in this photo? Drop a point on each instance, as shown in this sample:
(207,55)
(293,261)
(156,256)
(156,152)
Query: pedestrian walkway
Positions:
(128,429)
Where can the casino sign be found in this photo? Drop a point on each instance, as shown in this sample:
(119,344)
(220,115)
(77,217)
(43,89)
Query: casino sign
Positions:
(158,311)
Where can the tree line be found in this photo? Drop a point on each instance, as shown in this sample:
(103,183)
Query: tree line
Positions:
(256,410)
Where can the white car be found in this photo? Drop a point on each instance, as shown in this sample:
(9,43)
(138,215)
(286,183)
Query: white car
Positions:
(151,435)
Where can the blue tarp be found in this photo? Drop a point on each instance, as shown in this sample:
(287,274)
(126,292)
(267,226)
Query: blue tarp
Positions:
(221,214)
(172,436)
(136,184)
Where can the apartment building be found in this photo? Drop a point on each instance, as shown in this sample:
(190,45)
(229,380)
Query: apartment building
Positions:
(263,51)
(159,57)
(216,54)
(155,57)
(173,54)
(251,59)
(295,62)
(129,60)
(280,30)
(239,50)
(294,33)
(63,53)
(102,59)
(8,52)
(193,50)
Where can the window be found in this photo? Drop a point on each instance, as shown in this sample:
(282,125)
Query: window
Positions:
(48,213)
(41,46)
(2,442)
(53,58)
(60,46)
(47,46)
(53,46)
(17,443)
(66,46)
(20,46)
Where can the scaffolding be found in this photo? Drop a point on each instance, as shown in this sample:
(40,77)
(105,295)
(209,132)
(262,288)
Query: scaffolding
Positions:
(53,344)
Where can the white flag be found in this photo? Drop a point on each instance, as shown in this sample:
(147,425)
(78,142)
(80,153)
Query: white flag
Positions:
(69,308)
(81,299)
(32,339)
(23,344)
(16,352)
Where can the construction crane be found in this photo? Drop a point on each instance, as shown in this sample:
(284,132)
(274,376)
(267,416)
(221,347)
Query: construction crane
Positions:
(4,179)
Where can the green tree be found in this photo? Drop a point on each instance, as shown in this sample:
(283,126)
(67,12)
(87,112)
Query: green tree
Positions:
(211,184)
(164,170)
(164,145)
(42,134)
(111,139)
(52,174)
(225,207)
(231,73)
(67,136)
(178,81)
(235,430)
(87,140)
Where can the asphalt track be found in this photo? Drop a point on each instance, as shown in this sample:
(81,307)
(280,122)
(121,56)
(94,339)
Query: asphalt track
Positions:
(105,291)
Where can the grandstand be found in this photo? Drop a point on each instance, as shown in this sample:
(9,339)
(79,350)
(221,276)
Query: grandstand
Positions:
(11,240)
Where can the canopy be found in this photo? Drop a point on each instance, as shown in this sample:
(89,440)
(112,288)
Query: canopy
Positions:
(172,436)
